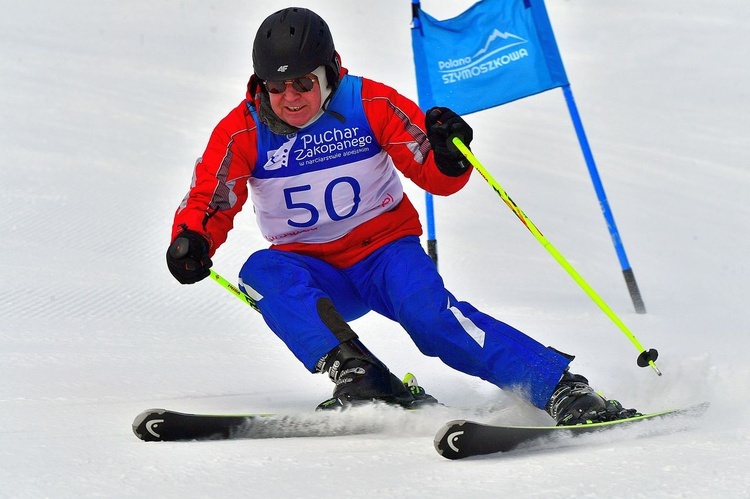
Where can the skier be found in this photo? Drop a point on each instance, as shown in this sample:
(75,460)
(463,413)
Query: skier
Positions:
(320,150)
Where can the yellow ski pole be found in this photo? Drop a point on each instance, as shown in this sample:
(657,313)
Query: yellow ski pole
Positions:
(645,357)
(180,248)
(233,289)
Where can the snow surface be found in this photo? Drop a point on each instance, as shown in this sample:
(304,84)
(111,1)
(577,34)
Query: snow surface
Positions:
(104,107)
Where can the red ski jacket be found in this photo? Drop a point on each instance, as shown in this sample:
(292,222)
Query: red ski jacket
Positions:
(220,181)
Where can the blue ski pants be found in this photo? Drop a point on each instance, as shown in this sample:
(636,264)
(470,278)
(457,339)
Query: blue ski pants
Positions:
(401,282)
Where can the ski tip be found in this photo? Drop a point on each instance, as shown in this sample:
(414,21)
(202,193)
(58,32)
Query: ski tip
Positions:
(448,438)
(144,424)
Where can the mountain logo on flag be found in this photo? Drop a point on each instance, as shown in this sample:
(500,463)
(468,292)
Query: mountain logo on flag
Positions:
(512,40)
(486,59)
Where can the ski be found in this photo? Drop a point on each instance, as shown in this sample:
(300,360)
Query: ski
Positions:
(459,439)
(162,425)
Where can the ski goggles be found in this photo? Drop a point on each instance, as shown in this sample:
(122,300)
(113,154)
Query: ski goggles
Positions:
(302,84)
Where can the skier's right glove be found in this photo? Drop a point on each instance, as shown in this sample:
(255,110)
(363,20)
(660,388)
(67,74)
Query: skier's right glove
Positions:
(442,125)
(187,257)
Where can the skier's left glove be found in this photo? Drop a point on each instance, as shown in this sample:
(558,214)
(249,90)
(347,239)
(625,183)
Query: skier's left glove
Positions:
(442,125)
(187,257)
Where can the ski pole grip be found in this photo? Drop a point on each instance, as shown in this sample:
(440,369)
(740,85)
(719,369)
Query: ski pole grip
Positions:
(452,145)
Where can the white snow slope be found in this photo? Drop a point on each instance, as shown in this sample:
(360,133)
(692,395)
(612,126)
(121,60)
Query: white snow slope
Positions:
(104,107)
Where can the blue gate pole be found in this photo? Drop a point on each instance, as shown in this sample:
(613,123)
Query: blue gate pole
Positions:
(431,238)
(428,199)
(627,271)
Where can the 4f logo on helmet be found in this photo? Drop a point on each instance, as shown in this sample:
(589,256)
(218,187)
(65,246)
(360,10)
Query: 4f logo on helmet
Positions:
(282,69)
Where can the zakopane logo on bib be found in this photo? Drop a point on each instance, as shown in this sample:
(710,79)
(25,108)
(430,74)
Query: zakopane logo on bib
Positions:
(279,158)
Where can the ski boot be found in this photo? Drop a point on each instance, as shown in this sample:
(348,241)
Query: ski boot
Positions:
(362,378)
(574,402)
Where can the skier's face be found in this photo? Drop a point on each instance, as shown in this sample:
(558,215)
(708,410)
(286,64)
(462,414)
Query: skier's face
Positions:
(295,107)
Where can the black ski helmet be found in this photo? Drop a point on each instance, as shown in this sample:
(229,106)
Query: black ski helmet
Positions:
(293,42)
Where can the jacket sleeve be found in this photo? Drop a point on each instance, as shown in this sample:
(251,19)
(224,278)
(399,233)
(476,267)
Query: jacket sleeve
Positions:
(219,186)
(399,126)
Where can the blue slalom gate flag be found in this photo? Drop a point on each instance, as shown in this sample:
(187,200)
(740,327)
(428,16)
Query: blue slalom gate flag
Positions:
(495,52)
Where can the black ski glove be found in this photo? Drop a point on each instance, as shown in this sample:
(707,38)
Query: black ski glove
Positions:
(187,257)
(442,125)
